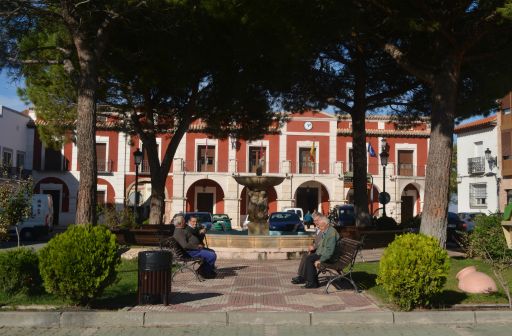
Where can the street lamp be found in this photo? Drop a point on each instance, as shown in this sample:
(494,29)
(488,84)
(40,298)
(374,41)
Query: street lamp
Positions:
(492,160)
(137,158)
(384,155)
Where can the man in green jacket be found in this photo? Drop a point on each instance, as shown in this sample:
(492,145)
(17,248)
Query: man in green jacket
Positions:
(325,253)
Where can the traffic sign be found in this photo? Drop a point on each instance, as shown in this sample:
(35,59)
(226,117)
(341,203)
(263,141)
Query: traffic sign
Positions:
(384,198)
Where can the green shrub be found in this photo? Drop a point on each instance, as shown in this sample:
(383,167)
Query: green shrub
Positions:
(413,269)
(19,272)
(80,263)
(488,236)
(113,219)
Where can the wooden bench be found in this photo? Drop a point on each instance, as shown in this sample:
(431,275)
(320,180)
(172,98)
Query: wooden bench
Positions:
(181,261)
(342,268)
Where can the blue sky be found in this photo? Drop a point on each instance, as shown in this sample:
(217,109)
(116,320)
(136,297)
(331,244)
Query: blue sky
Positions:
(8,96)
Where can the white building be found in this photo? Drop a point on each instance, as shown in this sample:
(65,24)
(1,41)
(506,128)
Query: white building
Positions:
(477,177)
(16,139)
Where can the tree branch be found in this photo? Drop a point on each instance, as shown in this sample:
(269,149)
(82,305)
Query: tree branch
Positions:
(400,58)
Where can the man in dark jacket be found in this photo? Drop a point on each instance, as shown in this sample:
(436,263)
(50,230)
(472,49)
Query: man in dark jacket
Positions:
(195,248)
(325,253)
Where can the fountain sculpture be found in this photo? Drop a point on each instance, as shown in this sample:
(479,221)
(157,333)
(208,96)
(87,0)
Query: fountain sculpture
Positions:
(258,199)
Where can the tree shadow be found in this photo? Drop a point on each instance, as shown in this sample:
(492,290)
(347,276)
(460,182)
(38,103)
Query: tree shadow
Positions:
(447,298)
(182,297)
(226,272)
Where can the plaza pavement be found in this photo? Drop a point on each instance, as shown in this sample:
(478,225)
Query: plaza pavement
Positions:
(257,298)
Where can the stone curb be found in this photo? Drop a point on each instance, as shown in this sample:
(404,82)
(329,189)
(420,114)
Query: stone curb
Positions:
(162,319)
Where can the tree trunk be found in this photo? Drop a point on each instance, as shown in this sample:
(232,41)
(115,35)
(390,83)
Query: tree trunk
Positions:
(86,138)
(158,179)
(358,115)
(444,97)
(360,168)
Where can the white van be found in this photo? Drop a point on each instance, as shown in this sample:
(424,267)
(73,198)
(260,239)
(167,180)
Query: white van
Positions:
(297,211)
(41,220)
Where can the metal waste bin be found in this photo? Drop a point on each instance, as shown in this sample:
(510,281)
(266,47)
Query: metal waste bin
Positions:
(154,280)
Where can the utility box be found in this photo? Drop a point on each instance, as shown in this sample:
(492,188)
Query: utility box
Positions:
(154,277)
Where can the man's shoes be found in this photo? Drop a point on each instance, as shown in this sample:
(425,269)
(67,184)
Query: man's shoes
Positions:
(298,280)
(311,285)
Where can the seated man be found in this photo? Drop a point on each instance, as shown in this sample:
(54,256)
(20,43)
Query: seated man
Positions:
(301,272)
(195,248)
(196,230)
(325,253)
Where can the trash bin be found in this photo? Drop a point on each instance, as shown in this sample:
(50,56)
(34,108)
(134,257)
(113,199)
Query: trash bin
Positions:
(154,278)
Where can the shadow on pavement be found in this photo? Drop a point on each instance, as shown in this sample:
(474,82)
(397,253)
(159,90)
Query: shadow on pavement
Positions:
(179,297)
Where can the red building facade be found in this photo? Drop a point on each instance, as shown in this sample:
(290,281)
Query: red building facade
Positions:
(313,151)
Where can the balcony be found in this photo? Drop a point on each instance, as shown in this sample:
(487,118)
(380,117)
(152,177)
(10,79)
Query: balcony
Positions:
(104,167)
(476,165)
(55,166)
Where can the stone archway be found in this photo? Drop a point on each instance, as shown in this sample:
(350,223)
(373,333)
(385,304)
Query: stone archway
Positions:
(205,195)
(312,195)
(410,203)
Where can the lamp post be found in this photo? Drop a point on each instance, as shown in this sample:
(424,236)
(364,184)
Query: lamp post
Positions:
(384,155)
(491,160)
(137,158)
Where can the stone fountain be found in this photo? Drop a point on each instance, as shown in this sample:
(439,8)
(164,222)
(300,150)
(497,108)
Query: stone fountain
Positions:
(258,199)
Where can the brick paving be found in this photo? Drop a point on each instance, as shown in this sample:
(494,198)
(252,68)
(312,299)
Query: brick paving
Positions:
(258,286)
(263,286)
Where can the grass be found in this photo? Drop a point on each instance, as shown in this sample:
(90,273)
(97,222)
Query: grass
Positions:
(124,292)
(365,275)
(118,295)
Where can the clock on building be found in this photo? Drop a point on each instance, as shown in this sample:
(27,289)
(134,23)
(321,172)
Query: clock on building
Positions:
(308,125)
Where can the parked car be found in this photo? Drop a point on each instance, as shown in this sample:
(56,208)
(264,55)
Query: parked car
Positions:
(285,221)
(469,219)
(221,222)
(203,218)
(297,211)
(40,222)
(346,215)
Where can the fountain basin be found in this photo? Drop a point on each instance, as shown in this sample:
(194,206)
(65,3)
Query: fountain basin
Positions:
(277,246)
(259,182)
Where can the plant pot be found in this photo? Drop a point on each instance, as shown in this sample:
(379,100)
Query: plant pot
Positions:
(472,281)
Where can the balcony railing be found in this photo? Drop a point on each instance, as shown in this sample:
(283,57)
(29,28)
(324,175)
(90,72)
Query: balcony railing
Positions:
(104,167)
(144,167)
(476,165)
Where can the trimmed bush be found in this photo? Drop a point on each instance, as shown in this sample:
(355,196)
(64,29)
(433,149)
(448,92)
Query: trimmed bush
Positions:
(413,269)
(488,236)
(19,272)
(80,263)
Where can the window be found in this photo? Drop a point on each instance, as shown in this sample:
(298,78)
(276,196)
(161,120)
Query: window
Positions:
(506,145)
(20,160)
(306,161)
(52,160)
(7,157)
(257,155)
(506,110)
(101,198)
(509,196)
(478,195)
(205,158)
(405,162)
(101,157)
(144,166)
(479,148)
(350,160)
